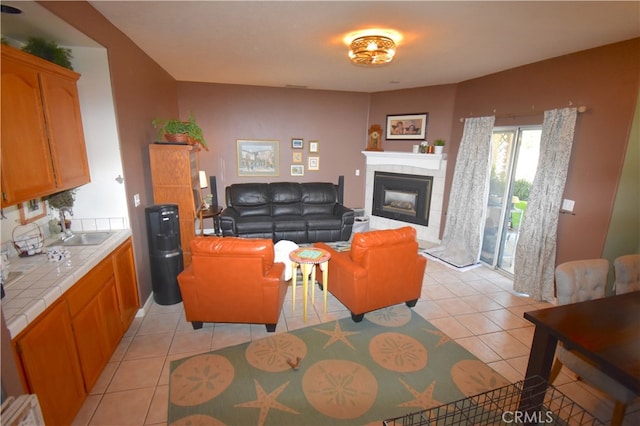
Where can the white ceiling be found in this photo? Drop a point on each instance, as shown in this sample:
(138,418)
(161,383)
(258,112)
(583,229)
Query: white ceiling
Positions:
(300,43)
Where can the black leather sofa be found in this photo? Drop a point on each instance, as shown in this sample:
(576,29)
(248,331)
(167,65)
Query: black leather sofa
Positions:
(299,212)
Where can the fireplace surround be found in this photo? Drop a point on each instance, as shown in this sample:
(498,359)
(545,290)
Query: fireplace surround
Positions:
(433,165)
(402,197)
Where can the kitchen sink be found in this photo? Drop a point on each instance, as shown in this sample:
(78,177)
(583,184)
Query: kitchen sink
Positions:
(84,239)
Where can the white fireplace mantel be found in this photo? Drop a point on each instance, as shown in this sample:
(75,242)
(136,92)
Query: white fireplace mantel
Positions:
(410,159)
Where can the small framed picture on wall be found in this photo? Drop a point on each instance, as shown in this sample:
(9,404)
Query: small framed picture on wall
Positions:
(314,146)
(297,157)
(297,170)
(314,163)
(297,143)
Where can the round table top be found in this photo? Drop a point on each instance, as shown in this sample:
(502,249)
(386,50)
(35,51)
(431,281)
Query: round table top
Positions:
(310,255)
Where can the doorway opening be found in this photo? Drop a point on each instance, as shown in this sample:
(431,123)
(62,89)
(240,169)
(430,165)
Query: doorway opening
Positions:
(514,160)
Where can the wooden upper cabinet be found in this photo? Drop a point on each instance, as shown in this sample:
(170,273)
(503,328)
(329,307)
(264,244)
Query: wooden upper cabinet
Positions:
(66,136)
(43,147)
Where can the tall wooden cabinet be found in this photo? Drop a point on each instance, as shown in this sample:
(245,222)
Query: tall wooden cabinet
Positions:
(43,147)
(174,171)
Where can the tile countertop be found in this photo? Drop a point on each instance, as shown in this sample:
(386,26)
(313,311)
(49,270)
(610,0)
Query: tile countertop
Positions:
(43,282)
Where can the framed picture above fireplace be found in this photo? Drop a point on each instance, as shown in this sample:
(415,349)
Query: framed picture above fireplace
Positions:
(407,126)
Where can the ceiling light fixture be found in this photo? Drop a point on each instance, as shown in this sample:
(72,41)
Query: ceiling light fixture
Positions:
(372,50)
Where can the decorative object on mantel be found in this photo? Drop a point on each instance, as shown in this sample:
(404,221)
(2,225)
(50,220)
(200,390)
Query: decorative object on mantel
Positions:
(407,126)
(374,143)
(50,51)
(178,131)
(438,146)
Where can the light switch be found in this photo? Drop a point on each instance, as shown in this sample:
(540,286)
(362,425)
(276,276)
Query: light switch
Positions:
(357,172)
(136,200)
(568,205)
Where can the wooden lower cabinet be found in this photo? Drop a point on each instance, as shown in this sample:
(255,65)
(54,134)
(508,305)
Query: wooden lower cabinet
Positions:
(126,283)
(63,353)
(51,365)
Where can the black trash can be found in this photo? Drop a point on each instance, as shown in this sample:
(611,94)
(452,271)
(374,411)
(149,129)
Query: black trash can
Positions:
(165,253)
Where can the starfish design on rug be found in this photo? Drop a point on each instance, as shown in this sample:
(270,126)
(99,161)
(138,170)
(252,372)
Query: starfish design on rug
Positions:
(443,337)
(266,401)
(337,335)
(423,400)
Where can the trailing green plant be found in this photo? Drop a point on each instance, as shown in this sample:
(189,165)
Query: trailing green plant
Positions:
(62,199)
(439,142)
(50,51)
(176,126)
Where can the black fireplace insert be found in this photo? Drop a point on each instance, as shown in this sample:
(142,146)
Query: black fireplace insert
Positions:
(402,197)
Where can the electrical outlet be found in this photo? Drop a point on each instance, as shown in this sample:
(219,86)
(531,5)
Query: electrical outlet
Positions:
(357,172)
(136,200)
(568,205)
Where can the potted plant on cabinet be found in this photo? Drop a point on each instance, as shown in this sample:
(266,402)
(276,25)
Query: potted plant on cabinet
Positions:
(438,146)
(50,51)
(179,131)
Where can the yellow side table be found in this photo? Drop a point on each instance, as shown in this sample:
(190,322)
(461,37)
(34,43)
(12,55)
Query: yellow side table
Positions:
(307,258)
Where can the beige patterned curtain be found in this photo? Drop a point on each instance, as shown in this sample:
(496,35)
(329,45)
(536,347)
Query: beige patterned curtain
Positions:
(462,237)
(536,250)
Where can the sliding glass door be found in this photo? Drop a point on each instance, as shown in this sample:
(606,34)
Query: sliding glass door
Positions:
(514,159)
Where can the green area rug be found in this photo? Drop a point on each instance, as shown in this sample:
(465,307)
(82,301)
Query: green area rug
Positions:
(338,373)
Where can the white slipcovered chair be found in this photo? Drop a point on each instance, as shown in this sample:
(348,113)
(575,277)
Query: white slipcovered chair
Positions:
(579,281)
(627,272)
(282,249)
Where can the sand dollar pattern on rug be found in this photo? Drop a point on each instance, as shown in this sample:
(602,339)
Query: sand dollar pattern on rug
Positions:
(392,363)
(200,378)
(271,353)
(398,352)
(340,389)
(473,377)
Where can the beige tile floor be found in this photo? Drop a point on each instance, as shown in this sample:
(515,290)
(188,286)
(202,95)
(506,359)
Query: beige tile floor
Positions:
(477,308)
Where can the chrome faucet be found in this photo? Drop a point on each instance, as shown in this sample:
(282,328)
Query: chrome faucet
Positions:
(66,233)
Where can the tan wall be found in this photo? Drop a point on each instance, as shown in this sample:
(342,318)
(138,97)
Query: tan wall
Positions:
(338,120)
(606,80)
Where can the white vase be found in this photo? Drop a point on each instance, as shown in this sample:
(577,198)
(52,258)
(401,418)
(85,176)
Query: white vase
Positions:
(438,149)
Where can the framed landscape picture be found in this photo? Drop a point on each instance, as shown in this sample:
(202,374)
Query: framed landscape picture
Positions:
(407,127)
(258,157)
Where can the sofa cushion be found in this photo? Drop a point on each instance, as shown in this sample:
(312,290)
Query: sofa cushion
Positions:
(362,241)
(323,222)
(318,198)
(254,224)
(285,198)
(250,199)
(289,223)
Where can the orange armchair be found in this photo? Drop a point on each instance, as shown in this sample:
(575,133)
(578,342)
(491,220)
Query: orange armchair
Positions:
(383,268)
(233,280)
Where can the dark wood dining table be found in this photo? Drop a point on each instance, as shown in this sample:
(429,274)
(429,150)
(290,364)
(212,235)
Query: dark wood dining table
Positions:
(606,331)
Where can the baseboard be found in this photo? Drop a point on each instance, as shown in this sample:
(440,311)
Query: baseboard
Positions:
(145,308)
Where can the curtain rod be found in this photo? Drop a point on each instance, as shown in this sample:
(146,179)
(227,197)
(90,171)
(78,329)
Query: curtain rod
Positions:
(580,109)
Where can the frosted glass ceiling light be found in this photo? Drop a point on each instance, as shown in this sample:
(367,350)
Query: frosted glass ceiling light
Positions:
(372,50)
